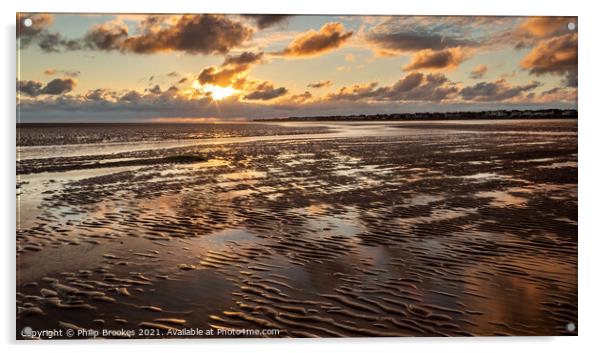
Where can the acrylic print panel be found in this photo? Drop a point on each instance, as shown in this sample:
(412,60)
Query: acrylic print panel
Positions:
(236,176)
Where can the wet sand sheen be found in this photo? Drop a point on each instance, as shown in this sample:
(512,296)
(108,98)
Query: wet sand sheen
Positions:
(466,233)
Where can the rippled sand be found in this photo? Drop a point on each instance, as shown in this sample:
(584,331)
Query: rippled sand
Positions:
(419,231)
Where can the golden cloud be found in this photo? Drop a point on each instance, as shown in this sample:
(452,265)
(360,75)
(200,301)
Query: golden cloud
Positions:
(331,36)
(446,59)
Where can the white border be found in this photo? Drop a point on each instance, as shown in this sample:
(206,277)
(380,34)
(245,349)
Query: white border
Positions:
(589,170)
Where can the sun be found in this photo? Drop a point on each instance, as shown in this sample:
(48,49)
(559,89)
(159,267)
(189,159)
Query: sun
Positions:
(218,92)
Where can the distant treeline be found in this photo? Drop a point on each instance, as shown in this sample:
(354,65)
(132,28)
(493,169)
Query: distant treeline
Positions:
(491,114)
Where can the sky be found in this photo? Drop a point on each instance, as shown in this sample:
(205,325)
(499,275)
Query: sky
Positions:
(211,67)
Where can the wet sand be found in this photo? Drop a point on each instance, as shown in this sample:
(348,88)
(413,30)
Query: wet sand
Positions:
(451,229)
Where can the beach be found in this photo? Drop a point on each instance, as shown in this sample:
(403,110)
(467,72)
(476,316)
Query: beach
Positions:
(307,229)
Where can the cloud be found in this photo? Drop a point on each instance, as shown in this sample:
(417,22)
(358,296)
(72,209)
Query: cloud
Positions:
(410,42)
(545,26)
(499,90)
(59,86)
(409,34)
(533,30)
(55,87)
(131,96)
(67,73)
(233,68)
(330,37)
(355,92)
(107,36)
(432,44)
(30,88)
(436,43)
(301,98)
(191,34)
(446,59)
(415,86)
(154,90)
(413,91)
(245,58)
(266,91)
(478,72)
(54,43)
(557,56)
(39,25)
(558,94)
(233,72)
(265,21)
(100,94)
(320,84)
(110,98)
(217,76)
(421,87)
(38,33)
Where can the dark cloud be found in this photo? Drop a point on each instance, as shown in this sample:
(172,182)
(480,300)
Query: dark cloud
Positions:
(114,100)
(420,87)
(266,91)
(331,36)
(59,86)
(245,58)
(30,88)
(444,59)
(478,72)
(154,90)
(265,21)
(192,34)
(107,36)
(409,82)
(409,34)
(499,90)
(38,33)
(302,97)
(412,87)
(557,56)
(131,96)
(320,84)
(99,94)
(54,43)
(355,92)
(55,87)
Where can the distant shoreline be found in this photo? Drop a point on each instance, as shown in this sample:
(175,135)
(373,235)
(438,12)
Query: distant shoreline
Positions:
(541,114)
(483,115)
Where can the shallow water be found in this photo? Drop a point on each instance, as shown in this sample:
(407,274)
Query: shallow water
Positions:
(364,230)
